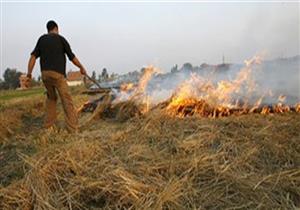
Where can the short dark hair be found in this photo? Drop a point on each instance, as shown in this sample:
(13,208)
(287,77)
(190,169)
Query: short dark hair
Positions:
(51,25)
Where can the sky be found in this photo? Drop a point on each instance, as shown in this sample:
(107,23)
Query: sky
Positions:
(124,37)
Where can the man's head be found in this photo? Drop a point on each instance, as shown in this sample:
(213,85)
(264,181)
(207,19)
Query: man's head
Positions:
(52,27)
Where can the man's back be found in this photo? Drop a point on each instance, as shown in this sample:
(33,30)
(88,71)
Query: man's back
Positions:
(51,49)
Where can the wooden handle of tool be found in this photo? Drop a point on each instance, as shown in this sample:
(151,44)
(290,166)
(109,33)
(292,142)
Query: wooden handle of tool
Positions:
(94,81)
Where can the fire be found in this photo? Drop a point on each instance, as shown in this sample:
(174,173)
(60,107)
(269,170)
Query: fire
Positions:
(282,98)
(194,107)
(221,94)
(138,92)
(198,96)
(141,90)
(201,96)
(147,75)
(126,87)
(297,108)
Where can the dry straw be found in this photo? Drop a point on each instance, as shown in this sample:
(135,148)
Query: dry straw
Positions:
(156,161)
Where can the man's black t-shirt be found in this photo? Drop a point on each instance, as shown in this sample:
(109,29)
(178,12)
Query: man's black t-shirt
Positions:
(51,48)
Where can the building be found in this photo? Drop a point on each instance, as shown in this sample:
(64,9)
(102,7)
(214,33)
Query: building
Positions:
(74,78)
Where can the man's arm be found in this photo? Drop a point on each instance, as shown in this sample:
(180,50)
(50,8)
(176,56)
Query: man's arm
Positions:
(31,64)
(77,63)
(34,55)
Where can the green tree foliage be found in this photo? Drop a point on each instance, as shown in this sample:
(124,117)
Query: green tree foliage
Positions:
(187,67)
(11,78)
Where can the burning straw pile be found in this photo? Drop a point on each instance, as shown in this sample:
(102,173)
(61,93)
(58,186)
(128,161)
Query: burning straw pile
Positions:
(195,96)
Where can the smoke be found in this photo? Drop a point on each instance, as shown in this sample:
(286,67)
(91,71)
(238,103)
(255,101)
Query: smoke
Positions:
(268,82)
(281,77)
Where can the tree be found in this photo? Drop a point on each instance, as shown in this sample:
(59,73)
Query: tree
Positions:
(104,74)
(2,85)
(187,67)
(11,78)
(174,68)
(94,75)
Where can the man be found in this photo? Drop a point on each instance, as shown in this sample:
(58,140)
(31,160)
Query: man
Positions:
(51,49)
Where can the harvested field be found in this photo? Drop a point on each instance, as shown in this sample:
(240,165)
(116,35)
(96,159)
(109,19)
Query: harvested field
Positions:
(210,145)
(149,161)
(182,105)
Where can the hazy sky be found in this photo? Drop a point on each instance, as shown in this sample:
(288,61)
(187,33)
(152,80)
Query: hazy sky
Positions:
(126,36)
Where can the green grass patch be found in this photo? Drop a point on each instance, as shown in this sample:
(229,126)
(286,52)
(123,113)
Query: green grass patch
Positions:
(12,94)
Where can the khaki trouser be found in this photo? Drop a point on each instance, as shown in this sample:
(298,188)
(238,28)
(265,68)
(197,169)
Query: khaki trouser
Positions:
(53,82)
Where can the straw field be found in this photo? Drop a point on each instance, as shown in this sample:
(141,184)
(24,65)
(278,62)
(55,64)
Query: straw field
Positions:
(150,161)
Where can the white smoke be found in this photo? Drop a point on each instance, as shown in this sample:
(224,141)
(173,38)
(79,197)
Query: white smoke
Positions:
(268,82)
(272,79)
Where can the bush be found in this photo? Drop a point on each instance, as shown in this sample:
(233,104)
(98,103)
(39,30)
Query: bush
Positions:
(11,79)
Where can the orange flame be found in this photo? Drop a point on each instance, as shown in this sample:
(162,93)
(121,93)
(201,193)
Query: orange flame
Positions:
(203,97)
(200,96)
(126,87)
(219,94)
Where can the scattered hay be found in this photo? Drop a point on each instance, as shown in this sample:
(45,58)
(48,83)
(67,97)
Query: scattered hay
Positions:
(126,110)
(121,111)
(162,162)
(158,161)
